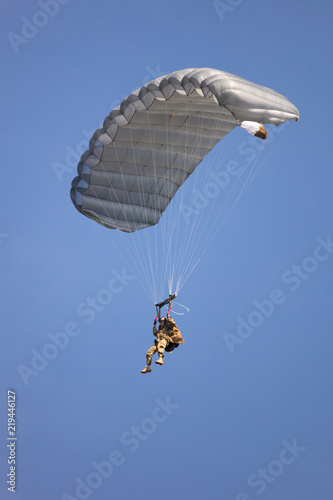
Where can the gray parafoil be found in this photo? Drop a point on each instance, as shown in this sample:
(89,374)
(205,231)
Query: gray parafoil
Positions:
(154,140)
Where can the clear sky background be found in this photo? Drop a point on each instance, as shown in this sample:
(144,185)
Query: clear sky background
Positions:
(237,412)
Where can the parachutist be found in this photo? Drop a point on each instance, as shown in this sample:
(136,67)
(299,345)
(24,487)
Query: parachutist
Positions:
(168,337)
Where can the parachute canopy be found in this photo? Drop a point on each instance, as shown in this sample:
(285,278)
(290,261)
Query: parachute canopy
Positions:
(150,144)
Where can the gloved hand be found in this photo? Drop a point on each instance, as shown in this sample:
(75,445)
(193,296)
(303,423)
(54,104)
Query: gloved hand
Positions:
(154,322)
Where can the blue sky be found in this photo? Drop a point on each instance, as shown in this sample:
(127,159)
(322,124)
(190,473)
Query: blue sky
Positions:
(238,412)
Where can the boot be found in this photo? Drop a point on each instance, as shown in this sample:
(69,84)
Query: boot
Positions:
(159,361)
(146,370)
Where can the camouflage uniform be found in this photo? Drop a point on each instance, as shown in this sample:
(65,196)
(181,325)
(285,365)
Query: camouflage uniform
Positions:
(167,338)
